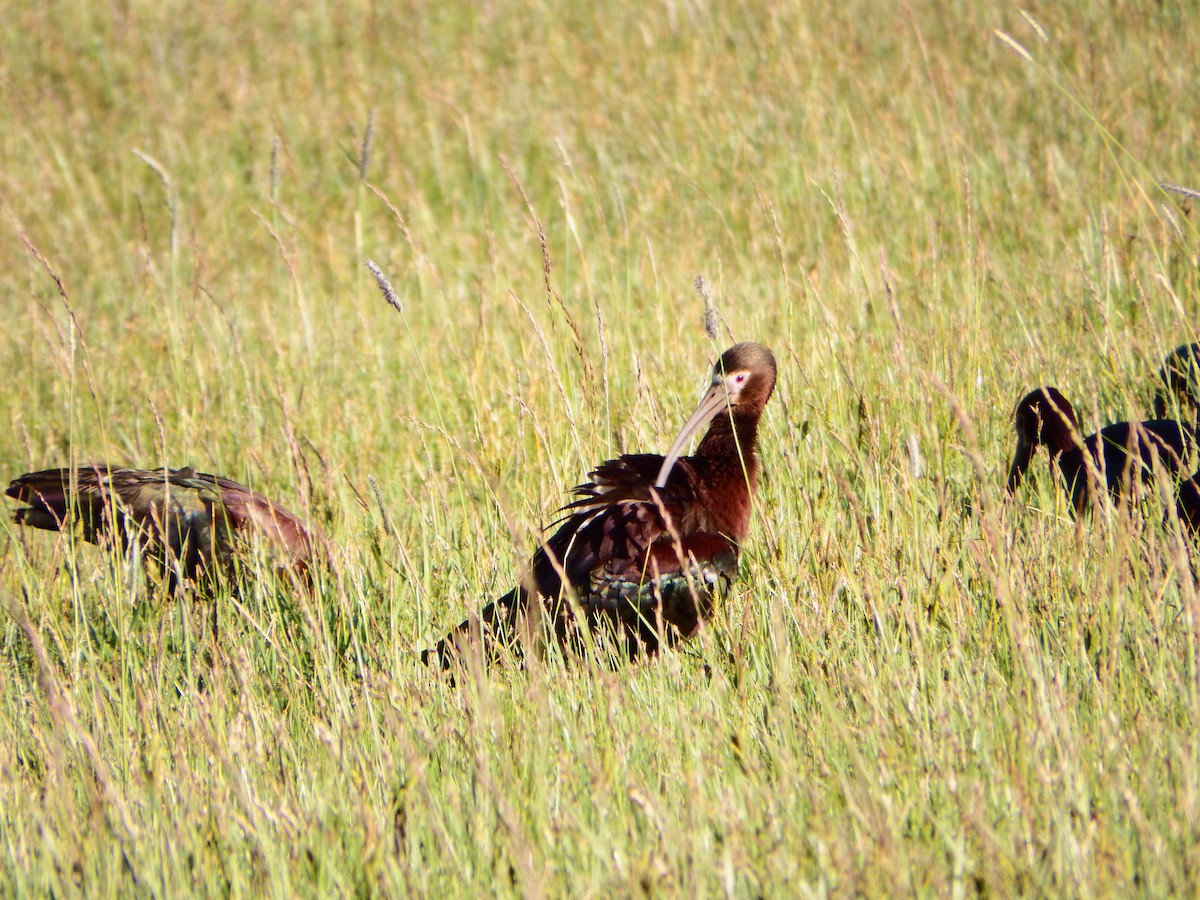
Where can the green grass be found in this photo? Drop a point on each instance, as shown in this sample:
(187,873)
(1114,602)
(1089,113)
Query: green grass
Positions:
(914,687)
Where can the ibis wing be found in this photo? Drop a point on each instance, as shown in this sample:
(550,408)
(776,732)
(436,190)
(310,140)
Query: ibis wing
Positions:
(57,497)
(178,512)
(250,513)
(626,479)
(612,523)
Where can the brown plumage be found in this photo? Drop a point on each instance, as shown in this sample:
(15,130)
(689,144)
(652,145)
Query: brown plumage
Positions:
(187,522)
(648,544)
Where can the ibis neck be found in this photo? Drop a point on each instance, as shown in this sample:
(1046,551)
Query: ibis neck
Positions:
(731,438)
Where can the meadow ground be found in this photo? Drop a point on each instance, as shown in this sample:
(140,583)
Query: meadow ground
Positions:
(925,209)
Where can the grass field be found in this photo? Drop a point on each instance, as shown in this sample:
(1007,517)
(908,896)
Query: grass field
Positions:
(915,687)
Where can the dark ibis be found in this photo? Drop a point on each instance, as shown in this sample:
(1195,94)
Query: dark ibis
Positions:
(1044,417)
(1179,395)
(649,544)
(187,522)
(1180,384)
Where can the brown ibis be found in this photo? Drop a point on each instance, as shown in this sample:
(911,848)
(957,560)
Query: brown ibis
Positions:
(189,523)
(649,544)
(1044,417)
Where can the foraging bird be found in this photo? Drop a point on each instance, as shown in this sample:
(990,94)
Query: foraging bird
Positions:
(1180,377)
(1045,417)
(188,522)
(650,543)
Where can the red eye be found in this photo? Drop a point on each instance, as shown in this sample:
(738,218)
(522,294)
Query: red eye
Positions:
(740,378)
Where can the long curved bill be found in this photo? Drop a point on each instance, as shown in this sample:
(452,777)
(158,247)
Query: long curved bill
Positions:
(1020,463)
(714,402)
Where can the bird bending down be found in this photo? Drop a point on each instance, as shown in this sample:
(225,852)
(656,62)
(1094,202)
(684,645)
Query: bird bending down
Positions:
(649,544)
(1118,451)
(189,523)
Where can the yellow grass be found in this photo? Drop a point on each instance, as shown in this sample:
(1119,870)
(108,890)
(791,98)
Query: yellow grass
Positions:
(925,210)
